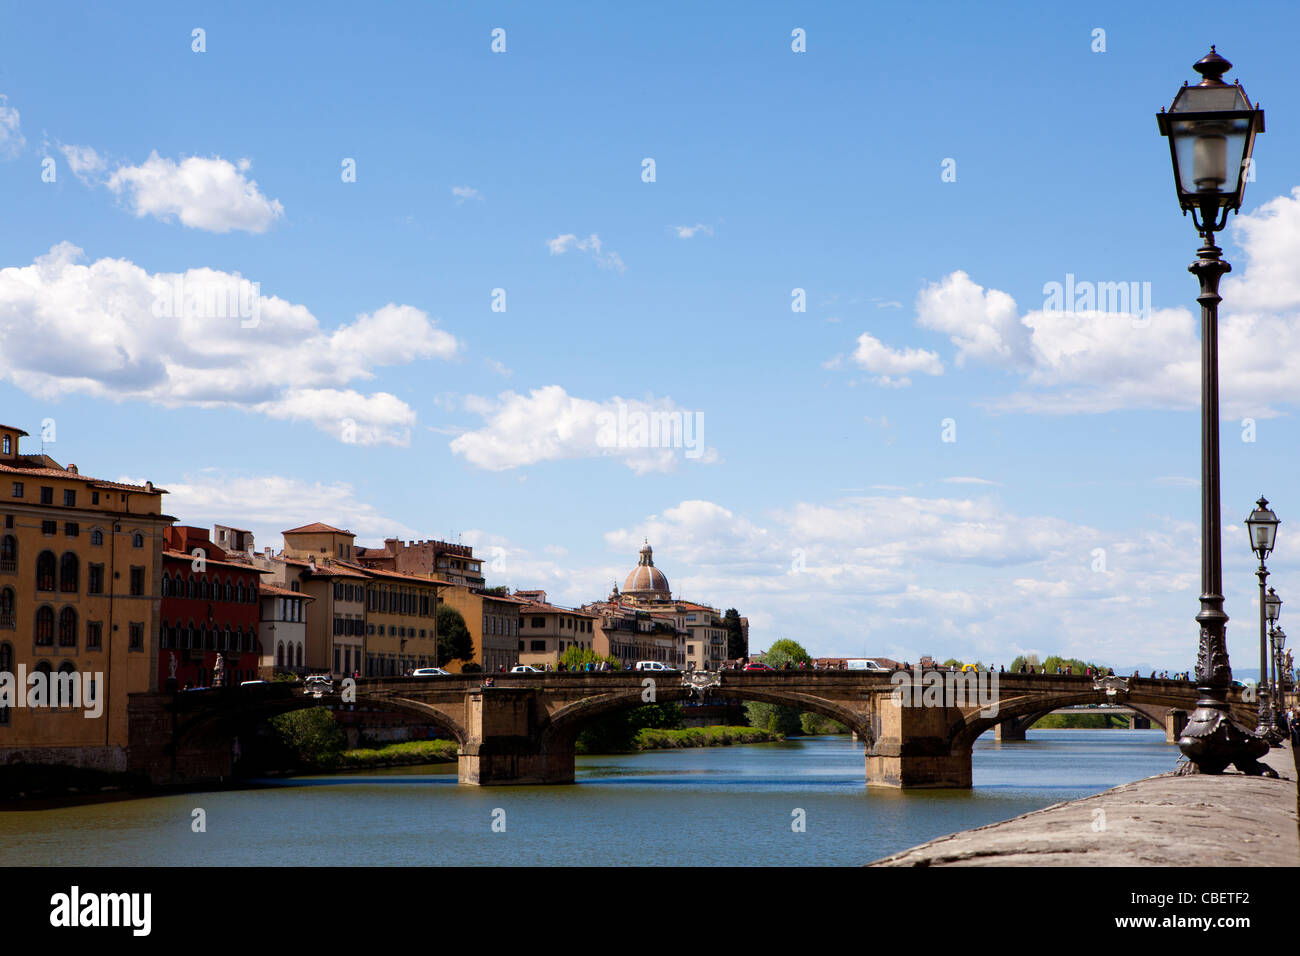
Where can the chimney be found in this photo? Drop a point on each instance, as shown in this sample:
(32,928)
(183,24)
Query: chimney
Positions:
(311,560)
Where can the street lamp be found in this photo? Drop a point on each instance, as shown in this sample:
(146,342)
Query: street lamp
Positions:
(1211,129)
(1262,524)
(1272,611)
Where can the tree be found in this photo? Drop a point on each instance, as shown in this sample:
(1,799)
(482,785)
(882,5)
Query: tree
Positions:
(785,650)
(737,646)
(616,733)
(312,735)
(455,643)
(774,718)
(575,658)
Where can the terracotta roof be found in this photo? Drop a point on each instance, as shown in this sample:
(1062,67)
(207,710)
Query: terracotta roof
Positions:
(316,528)
(275,589)
(44,472)
(11,428)
(533,607)
(327,570)
(403,576)
(188,556)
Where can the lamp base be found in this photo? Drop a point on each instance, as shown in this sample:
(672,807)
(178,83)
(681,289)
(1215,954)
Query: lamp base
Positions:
(1212,741)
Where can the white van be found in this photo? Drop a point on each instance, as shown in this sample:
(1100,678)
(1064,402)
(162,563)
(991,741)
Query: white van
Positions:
(865,664)
(653,666)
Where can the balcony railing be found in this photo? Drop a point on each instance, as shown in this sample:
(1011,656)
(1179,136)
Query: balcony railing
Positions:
(7,620)
(8,565)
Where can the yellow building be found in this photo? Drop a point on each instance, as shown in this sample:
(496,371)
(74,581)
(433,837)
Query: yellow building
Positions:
(316,556)
(80,589)
(401,632)
(492,619)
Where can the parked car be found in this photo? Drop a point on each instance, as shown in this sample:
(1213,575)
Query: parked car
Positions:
(865,664)
(524,669)
(318,684)
(659,666)
(758,666)
(430,672)
(253,683)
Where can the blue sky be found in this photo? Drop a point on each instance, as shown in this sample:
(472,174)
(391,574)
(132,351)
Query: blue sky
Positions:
(827,507)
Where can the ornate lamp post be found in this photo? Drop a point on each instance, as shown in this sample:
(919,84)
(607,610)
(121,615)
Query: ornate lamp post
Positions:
(1262,524)
(1211,129)
(1272,611)
(1279,645)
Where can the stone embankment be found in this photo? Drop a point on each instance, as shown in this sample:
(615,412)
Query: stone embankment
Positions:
(1225,820)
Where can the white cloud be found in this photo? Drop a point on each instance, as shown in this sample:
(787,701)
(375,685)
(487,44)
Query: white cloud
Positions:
(893,366)
(11,137)
(268,504)
(85,163)
(110,329)
(984,325)
(592,245)
(465,192)
(548,424)
(689,232)
(211,194)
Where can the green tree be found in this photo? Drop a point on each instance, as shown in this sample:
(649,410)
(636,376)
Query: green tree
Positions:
(774,718)
(815,725)
(737,646)
(616,732)
(785,650)
(575,657)
(311,735)
(455,643)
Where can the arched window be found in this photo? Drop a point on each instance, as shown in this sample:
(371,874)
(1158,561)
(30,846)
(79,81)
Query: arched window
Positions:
(96,537)
(69,567)
(211,639)
(62,694)
(230,590)
(191,587)
(44,626)
(164,635)
(239,592)
(45,571)
(137,540)
(300,655)
(279,654)
(67,628)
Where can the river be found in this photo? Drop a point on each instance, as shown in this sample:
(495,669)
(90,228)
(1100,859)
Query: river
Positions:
(717,805)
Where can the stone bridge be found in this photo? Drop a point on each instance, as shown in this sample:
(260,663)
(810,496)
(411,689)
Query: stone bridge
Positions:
(522,730)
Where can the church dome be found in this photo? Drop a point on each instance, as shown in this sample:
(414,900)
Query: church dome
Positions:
(645,580)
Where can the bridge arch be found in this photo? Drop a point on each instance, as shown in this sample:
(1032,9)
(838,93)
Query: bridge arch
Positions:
(567,722)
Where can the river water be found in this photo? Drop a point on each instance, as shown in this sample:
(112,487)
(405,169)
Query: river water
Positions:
(716,805)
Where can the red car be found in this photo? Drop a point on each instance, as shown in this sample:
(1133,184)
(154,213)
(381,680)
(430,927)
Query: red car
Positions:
(758,666)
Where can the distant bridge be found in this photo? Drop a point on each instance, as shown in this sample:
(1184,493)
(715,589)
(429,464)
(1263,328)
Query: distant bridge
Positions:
(522,729)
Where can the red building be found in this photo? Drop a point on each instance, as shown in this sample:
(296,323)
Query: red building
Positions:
(209,607)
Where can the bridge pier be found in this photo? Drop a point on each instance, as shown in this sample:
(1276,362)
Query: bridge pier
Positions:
(505,747)
(913,748)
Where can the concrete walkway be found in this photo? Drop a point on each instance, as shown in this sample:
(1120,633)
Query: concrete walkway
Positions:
(1228,820)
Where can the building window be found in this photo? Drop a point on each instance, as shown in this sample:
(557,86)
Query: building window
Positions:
(94,635)
(137,582)
(8,445)
(539,622)
(44,627)
(6,610)
(6,667)
(71,529)
(8,553)
(18,489)
(97,537)
(47,495)
(45,571)
(69,572)
(137,540)
(94,497)
(69,498)
(50,528)
(136,637)
(538,645)
(67,628)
